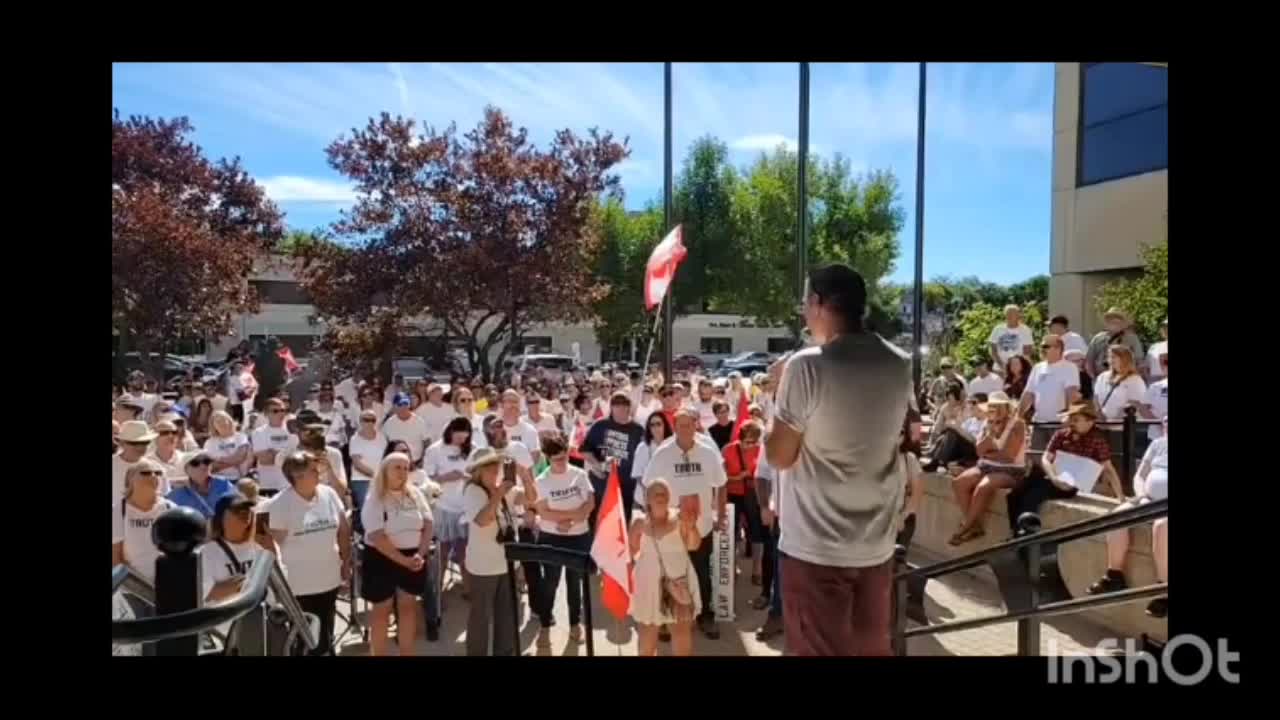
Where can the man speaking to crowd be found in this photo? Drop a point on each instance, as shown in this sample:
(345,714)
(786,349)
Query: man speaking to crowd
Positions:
(835,435)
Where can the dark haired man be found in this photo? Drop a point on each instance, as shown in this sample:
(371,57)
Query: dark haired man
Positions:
(836,430)
(1059,325)
(614,437)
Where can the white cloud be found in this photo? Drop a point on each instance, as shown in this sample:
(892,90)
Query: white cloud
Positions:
(401,86)
(295,189)
(768,142)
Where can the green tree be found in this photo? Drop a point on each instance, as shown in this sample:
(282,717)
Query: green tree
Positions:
(703,204)
(972,332)
(1146,297)
(626,241)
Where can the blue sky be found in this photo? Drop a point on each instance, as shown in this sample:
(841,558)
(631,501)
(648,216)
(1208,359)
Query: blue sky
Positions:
(988,138)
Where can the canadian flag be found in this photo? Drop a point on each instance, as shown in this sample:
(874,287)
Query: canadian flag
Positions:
(661,268)
(611,550)
(291,366)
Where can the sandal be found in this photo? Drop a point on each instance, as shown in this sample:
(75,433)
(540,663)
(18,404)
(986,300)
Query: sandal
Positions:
(964,535)
(760,603)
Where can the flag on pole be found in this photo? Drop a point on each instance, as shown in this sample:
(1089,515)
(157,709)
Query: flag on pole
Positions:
(661,268)
(611,550)
(291,366)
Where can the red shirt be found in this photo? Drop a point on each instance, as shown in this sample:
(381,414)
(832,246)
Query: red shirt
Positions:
(1092,444)
(734,455)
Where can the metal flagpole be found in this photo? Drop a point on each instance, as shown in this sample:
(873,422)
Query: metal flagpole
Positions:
(649,353)
(802,190)
(667,312)
(917,319)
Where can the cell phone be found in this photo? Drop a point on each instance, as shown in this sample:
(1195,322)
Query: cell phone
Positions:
(263,524)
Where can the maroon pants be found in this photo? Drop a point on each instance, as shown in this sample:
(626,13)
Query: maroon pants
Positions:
(834,611)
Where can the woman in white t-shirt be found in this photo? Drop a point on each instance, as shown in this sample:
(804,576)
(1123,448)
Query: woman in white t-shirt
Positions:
(228,448)
(445,463)
(464,404)
(660,544)
(1120,386)
(565,501)
(366,449)
(656,430)
(490,524)
(234,545)
(310,525)
(1150,483)
(131,519)
(397,541)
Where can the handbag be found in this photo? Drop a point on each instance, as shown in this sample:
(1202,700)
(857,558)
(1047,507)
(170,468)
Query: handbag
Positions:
(676,596)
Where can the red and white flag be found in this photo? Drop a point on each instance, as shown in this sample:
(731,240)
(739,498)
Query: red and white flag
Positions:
(744,415)
(611,550)
(661,268)
(291,366)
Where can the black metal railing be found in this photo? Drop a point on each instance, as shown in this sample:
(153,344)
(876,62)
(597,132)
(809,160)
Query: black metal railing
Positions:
(195,621)
(575,560)
(1029,545)
(180,614)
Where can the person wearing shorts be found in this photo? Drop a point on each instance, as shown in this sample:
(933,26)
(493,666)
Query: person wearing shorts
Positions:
(398,530)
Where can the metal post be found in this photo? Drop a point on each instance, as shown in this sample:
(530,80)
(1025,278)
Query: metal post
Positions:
(668,308)
(802,190)
(917,319)
(1128,456)
(588,576)
(900,592)
(178,533)
(1029,627)
(515,604)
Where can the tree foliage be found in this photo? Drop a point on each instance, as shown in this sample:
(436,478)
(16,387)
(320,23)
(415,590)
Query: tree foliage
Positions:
(972,332)
(185,232)
(1146,297)
(626,241)
(484,232)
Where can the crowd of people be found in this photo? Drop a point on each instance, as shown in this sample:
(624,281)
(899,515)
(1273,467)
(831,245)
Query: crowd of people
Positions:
(388,480)
(1070,404)
(391,485)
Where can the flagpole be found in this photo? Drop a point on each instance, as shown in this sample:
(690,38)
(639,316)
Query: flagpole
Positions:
(917,297)
(652,335)
(666,313)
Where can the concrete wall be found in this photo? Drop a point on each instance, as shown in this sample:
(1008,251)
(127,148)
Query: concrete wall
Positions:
(1097,230)
(1081,562)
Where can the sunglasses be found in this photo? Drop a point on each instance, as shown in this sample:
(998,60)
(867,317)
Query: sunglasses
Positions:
(151,473)
(137,444)
(167,433)
(366,420)
(201,461)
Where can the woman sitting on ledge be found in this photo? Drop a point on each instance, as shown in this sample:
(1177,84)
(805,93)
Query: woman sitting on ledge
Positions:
(1150,483)
(956,427)
(1002,449)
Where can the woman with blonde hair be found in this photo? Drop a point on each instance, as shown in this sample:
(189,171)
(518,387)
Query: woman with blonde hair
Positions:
(228,447)
(397,541)
(1002,451)
(666,589)
(1120,386)
(131,519)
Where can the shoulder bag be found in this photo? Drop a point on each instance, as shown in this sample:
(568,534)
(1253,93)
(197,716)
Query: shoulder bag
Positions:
(676,597)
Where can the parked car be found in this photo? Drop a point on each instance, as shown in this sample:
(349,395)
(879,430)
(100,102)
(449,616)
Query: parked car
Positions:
(554,366)
(750,356)
(746,368)
(171,366)
(687,363)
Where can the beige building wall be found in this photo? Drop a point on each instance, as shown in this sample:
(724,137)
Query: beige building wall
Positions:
(1097,230)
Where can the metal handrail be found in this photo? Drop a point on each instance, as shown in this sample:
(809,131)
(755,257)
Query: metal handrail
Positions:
(1028,618)
(164,627)
(289,602)
(124,577)
(1062,607)
(1065,533)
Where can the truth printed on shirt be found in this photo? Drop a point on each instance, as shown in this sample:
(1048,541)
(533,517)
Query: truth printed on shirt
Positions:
(140,523)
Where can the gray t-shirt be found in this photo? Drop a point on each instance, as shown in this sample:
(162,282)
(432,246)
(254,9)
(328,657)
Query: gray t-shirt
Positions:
(849,398)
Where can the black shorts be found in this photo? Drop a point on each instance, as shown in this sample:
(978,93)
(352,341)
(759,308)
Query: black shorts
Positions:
(380,577)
